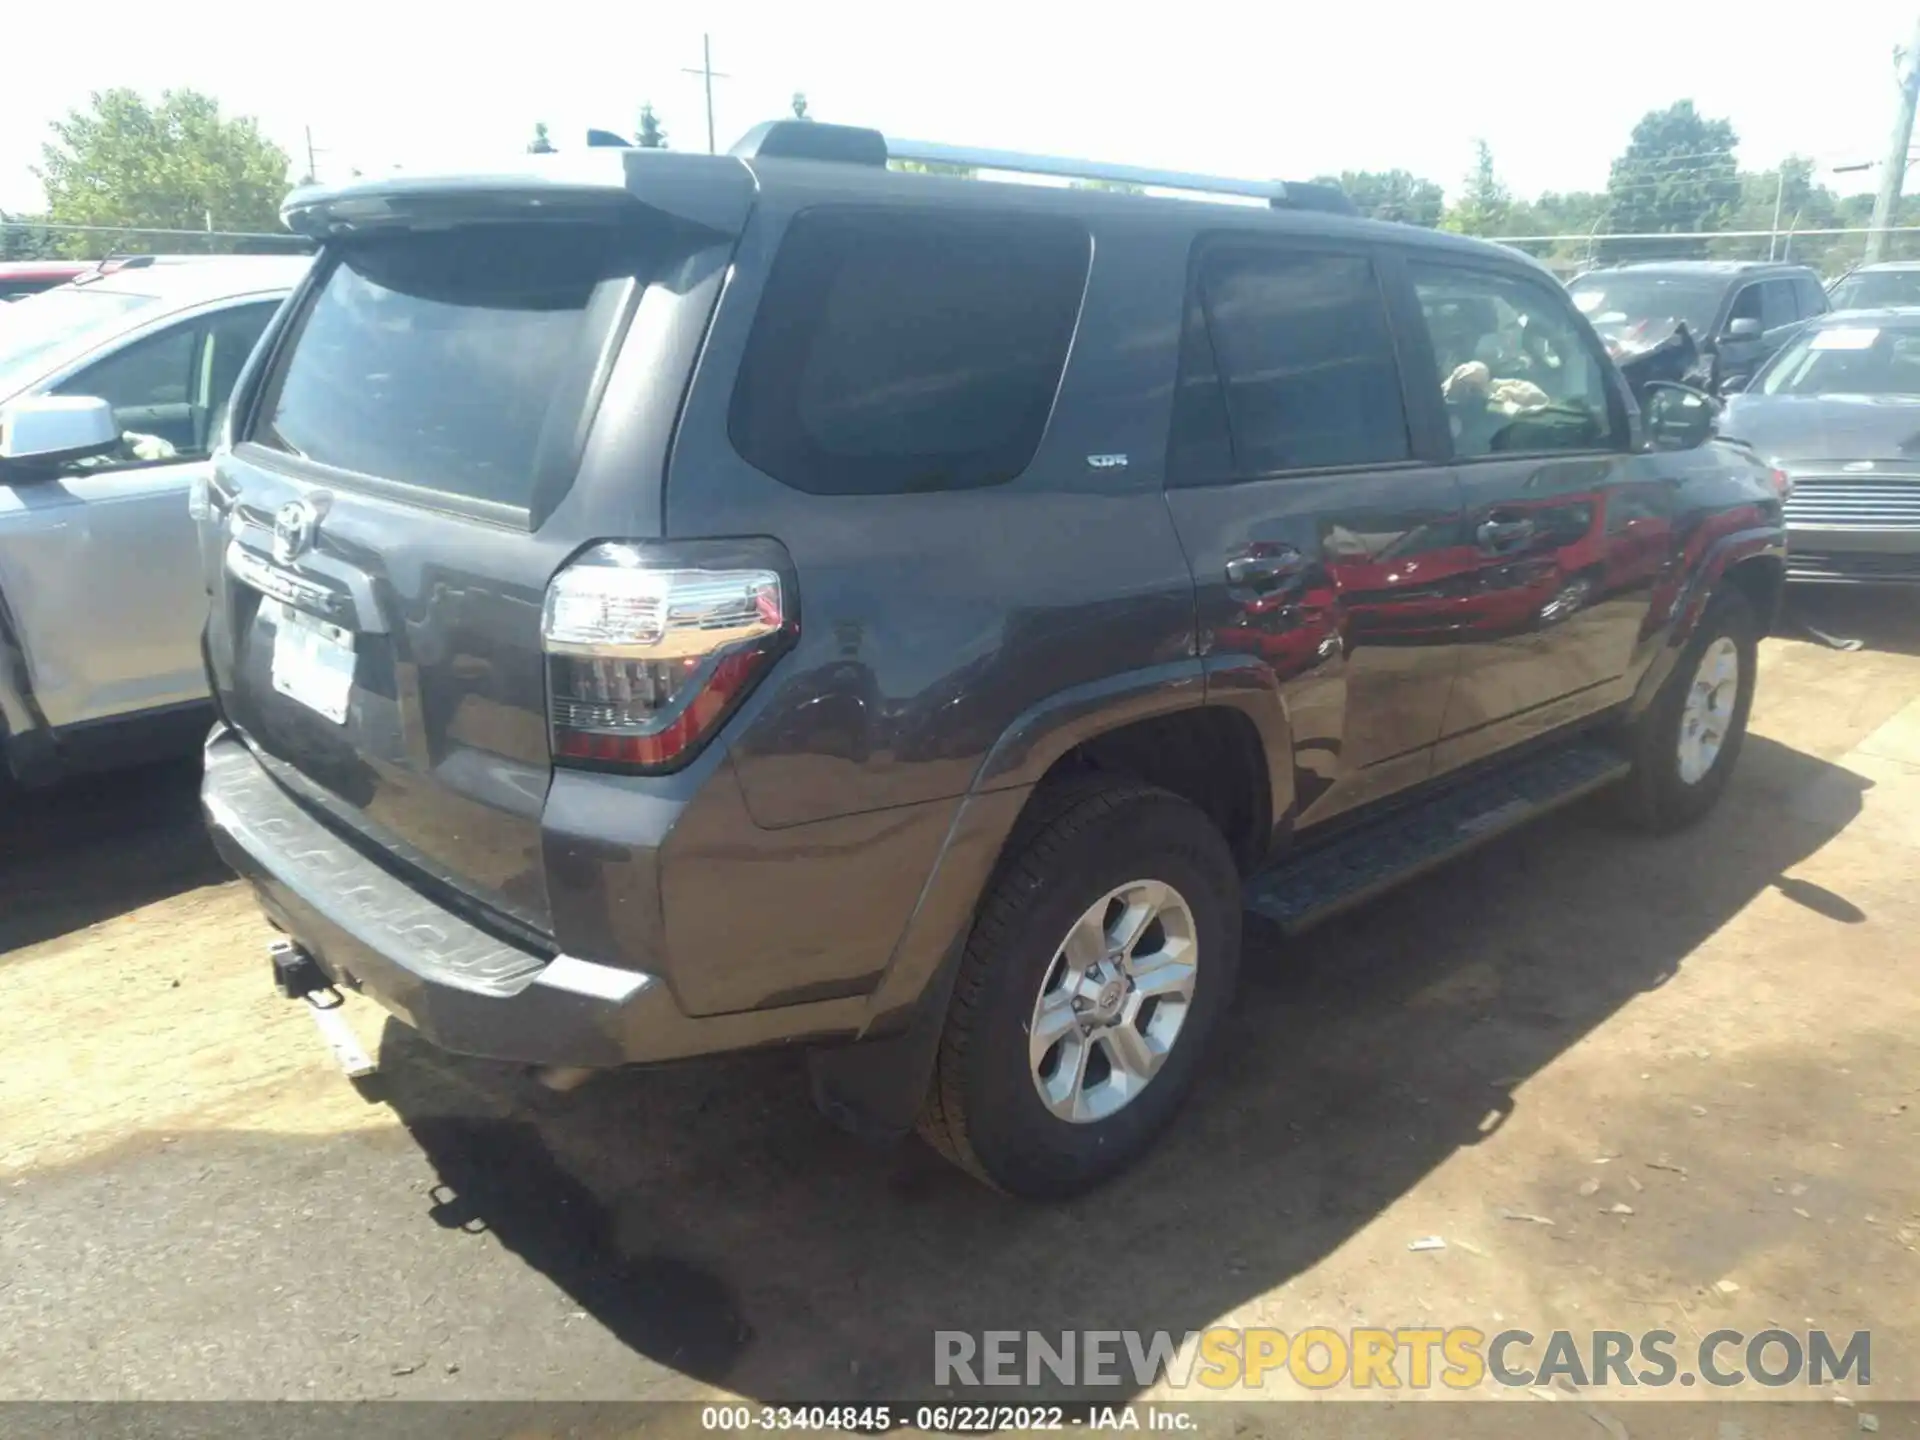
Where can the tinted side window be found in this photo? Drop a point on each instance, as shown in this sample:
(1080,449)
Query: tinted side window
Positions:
(1290,352)
(155,371)
(1746,304)
(1813,300)
(896,352)
(151,385)
(1777,304)
(1516,372)
(231,336)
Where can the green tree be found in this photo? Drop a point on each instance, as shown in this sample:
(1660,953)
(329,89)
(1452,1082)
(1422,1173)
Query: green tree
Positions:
(651,135)
(540,144)
(1677,174)
(177,165)
(1485,206)
(800,105)
(1390,195)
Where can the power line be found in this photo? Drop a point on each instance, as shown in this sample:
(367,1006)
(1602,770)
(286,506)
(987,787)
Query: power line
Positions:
(1723,155)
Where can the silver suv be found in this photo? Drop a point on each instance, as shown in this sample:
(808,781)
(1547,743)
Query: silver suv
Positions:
(109,390)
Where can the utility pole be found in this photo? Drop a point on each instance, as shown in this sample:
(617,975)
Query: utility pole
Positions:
(313,165)
(709,75)
(1779,194)
(1893,171)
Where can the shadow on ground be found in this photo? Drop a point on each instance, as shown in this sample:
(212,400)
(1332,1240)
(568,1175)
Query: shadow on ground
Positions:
(100,846)
(1881,617)
(704,1216)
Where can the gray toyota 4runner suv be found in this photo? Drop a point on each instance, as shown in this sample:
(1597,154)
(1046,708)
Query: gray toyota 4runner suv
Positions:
(669,604)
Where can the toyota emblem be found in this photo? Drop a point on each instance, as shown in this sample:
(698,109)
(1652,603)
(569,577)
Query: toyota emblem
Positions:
(294,526)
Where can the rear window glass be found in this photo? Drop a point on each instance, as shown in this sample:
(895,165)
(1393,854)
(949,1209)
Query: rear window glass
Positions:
(1289,365)
(458,362)
(908,352)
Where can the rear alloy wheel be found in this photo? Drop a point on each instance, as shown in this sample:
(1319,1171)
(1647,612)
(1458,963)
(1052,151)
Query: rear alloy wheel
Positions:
(1114,1002)
(1099,964)
(1685,745)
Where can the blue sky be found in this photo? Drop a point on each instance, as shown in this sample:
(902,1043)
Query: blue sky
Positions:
(1285,90)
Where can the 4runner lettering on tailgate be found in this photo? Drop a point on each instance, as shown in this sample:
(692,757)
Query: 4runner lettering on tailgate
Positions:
(718,619)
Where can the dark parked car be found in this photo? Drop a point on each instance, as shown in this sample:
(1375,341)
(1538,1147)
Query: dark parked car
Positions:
(667,604)
(1839,411)
(1877,287)
(1738,312)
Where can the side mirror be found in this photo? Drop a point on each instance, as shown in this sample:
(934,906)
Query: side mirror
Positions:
(1677,417)
(1745,328)
(44,432)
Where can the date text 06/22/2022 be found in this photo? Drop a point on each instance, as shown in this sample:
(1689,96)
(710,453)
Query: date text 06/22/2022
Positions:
(946,1419)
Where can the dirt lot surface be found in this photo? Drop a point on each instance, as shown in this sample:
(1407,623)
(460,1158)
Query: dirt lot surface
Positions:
(1697,1057)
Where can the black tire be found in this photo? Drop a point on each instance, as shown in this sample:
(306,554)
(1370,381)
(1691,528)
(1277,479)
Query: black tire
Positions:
(1079,840)
(1655,796)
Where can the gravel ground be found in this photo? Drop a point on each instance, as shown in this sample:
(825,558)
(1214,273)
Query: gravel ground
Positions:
(1716,1032)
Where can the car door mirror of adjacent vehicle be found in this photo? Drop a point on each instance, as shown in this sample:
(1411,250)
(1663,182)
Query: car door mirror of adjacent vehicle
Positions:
(1745,328)
(40,434)
(1677,417)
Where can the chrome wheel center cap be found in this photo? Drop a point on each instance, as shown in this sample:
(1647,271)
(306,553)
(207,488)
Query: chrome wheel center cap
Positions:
(1108,1005)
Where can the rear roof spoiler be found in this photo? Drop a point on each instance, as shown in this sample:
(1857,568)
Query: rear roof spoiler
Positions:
(597,183)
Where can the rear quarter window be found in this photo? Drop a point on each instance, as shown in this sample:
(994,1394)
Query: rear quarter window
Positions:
(458,362)
(901,352)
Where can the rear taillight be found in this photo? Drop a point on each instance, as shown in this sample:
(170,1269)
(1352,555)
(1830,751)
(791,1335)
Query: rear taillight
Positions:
(647,654)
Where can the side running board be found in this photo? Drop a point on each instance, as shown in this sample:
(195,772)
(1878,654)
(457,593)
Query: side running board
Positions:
(1304,889)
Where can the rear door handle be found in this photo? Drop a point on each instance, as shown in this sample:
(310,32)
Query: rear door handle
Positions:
(1264,571)
(1499,534)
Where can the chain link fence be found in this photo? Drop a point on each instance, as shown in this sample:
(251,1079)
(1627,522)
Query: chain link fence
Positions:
(1830,252)
(36,240)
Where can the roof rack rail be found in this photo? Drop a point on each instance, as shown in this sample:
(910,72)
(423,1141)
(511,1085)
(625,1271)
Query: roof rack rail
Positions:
(812,140)
(1280,194)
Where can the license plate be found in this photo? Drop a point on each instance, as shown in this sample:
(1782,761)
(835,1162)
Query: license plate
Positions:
(313,662)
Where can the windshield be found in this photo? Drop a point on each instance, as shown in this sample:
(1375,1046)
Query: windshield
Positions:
(1632,311)
(34,329)
(1874,289)
(1847,360)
